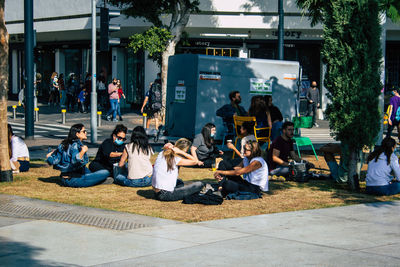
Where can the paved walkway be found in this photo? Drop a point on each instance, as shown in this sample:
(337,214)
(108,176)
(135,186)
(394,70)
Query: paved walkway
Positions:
(358,235)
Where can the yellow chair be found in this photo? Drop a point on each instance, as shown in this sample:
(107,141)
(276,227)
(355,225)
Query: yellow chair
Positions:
(239,120)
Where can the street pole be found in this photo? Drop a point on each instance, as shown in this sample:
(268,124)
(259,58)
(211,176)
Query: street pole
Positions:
(93,102)
(280,29)
(28,14)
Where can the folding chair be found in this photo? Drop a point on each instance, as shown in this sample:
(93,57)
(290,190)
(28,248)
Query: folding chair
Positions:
(302,122)
(258,132)
(238,121)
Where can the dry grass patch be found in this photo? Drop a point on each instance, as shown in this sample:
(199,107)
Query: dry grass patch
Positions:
(42,182)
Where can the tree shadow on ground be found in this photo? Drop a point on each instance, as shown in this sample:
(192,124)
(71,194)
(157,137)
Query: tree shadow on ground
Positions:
(37,165)
(52,179)
(15,253)
(149,194)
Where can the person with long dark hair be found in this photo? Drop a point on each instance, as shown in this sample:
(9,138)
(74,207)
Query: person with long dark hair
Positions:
(381,163)
(110,151)
(18,152)
(259,109)
(138,153)
(276,118)
(165,180)
(203,148)
(253,168)
(71,158)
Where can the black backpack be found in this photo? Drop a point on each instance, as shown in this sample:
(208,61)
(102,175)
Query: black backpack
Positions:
(155,97)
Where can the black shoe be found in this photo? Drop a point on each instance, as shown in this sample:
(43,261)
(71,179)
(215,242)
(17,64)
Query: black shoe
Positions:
(120,118)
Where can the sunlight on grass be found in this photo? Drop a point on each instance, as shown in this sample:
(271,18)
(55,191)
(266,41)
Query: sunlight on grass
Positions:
(42,182)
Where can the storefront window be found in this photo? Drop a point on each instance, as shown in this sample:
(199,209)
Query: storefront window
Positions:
(135,77)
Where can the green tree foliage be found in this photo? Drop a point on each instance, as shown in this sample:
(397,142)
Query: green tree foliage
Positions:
(352,53)
(169,18)
(154,40)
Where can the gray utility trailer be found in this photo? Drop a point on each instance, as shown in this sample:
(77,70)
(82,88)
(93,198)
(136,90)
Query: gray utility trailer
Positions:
(198,85)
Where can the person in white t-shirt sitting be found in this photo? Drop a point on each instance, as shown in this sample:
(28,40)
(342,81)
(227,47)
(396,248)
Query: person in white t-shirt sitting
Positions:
(19,153)
(246,130)
(138,153)
(253,168)
(382,162)
(165,172)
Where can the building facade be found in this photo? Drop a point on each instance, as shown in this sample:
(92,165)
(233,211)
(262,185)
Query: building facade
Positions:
(235,28)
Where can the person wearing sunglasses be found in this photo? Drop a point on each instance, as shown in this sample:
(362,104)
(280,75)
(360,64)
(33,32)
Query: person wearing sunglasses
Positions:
(110,151)
(253,168)
(71,158)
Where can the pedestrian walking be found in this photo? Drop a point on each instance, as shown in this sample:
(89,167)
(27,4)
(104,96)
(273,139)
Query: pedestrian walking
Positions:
(113,96)
(54,93)
(313,101)
(120,96)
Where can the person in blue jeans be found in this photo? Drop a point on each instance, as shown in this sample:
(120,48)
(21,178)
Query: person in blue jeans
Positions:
(381,163)
(71,158)
(138,153)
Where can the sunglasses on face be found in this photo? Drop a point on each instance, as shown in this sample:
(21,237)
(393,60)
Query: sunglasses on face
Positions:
(121,138)
(84,131)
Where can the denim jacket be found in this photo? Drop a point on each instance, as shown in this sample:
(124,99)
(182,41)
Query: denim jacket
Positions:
(70,161)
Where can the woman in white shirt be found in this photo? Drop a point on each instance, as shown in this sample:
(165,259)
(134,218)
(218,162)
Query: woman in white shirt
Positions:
(253,168)
(138,153)
(19,153)
(381,163)
(165,172)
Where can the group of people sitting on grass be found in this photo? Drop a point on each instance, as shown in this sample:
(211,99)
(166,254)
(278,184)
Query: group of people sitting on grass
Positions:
(71,159)
(130,163)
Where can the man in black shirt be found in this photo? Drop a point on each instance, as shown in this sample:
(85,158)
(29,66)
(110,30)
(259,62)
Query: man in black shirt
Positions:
(280,151)
(227,111)
(110,150)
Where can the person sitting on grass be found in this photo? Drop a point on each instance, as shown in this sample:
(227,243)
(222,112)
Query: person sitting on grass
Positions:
(110,151)
(18,151)
(381,163)
(253,168)
(165,172)
(138,153)
(71,158)
(246,130)
(280,151)
(203,148)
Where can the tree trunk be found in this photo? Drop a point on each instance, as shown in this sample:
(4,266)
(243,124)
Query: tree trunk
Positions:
(353,179)
(5,167)
(176,29)
(169,51)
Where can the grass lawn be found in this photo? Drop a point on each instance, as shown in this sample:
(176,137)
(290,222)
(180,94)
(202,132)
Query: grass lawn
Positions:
(42,182)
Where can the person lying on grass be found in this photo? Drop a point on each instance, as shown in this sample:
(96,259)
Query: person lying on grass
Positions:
(253,168)
(165,172)
(138,153)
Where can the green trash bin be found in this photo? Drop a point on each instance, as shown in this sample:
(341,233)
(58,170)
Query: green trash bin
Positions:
(303,122)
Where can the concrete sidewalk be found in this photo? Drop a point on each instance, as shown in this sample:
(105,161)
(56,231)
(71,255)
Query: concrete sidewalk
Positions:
(358,235)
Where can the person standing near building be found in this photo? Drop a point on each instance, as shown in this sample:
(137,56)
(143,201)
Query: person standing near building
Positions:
(393,119)
(53,88)
(63,95)
(153,100)
(313,101)
(120,96)
(113,96)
